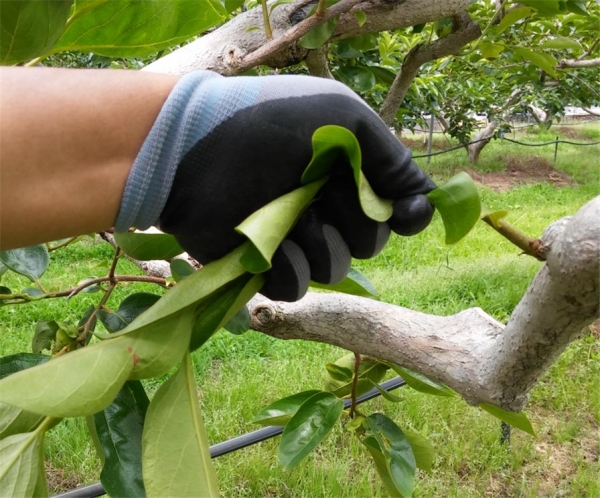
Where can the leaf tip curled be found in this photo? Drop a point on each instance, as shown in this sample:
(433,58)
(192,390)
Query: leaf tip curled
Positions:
(459,205)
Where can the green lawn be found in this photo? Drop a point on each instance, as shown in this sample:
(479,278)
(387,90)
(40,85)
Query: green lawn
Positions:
(238,375)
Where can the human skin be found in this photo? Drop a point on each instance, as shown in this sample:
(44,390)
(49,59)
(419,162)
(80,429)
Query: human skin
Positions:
(68,138)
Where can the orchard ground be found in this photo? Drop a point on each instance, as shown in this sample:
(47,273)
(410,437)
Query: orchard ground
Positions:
(238,375)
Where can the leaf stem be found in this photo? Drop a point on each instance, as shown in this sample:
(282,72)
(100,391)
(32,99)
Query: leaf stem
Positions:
(64,244)
(321,8)
(266,22)
(532,247)
(357,362)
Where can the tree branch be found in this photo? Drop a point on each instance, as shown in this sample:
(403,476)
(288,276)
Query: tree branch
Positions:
(236,47)
(577,63)
(470,352)
(465,31)
(318,63)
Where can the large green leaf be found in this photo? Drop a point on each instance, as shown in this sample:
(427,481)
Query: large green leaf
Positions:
(545,62)
(370,371)
(422,449)
(318,36)
(19,464)
(29,28)
(360,79)
(421,383)
(119,429)
(516,419)
(561,42)
(329,143)
(129,309)
(148,246)
(267,227)
(130,28)
(308,427)
(176,456)
(30,262)
(14,420)
(240,323)
(397,451)
(75,384)
(355,283)
(381,465)
(512,16)
(281,411)
(458,203)
(21,361)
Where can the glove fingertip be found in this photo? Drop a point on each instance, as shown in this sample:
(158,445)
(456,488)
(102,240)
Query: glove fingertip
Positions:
(411,215)
(289,277)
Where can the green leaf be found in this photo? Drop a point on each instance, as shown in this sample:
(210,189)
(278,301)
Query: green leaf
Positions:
(222,306)
(44,335)
(422,449)
(148,246)
(20,464)
(458,203)
(382,75)
(387,395)
(355,284)
(267,227)
(240,323)
(370,371)
(14,420)
(381,465)
(29,28)
(308,427)
(491,50)
(181,269)
(545,62)
(21,361)
(277,4)
(3,270)
(544,7)
(56,388)
(231,5)
(119,428)
(577,7)
(514,16)
(339,373)
(560,42)
(331,142)
(129,309)
(421,383)
(358,78)
(176,456)
(397,451)
(281,411)
(363,43)
(360,17)
(517,419)
(343,50)
(319,35)
(30,262)
(135,29)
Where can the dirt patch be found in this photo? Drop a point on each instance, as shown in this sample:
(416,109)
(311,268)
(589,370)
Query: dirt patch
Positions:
(58,480)
(522,171)
(421,146)
(595,329)
(572,133)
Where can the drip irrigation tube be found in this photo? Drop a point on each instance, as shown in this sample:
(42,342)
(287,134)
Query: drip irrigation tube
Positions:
(237,443)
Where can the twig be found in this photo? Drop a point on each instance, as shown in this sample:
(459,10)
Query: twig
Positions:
(529,246)
(266,22)
(357,362)
(64,244)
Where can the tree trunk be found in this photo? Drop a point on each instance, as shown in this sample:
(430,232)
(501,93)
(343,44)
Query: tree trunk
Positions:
(470,352)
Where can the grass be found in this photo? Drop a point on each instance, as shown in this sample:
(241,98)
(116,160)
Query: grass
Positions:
(238,375)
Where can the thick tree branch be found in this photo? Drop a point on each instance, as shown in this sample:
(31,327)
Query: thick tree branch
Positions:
(465,31)
(471,352)
(577,63)
(232,48)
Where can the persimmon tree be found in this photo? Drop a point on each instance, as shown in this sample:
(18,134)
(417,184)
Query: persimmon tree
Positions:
(97,374)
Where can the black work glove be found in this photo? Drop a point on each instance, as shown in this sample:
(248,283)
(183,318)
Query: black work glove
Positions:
(222,148)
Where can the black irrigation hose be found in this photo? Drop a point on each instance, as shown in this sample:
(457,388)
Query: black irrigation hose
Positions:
(462,146)
(549,143)
(237,443)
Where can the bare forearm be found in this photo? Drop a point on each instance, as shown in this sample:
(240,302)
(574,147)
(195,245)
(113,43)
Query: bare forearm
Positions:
(67,141)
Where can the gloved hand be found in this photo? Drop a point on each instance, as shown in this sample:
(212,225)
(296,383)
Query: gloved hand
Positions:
(221,148)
